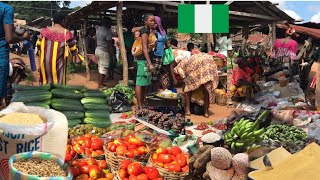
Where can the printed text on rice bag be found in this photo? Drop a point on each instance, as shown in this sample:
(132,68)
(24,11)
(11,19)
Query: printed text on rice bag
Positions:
(15,141)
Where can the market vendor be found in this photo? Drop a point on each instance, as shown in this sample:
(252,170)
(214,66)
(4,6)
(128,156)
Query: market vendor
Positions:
(224,45)
(286,47)
(243,80)
(200,77)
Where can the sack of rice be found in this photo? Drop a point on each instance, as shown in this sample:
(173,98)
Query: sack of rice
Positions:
(22,129)
(38,166)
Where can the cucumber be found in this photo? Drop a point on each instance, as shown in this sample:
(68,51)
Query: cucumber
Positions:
(73,122)
(19,87)
(100,114)
(93,100)
(73,114)
(39,105)
(91,106)
(29,92)
(32,97)
(47,102)
(66,105)
(67,93)
(60,86)
(99,122)
(94,93)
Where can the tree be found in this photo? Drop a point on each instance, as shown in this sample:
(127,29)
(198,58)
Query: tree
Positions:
(30,10)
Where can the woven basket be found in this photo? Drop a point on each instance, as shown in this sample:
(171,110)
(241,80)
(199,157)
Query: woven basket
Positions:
(114,160)
(221,99)
(168,174)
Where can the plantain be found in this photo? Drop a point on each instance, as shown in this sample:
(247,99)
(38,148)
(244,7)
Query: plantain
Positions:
(233,145)
(258,133)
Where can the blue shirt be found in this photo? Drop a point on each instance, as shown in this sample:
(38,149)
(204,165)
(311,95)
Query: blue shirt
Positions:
(160,45)
(6,17)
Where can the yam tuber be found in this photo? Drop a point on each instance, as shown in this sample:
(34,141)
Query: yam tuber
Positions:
(203,159)
(199,152)
(206,175)
(218,174)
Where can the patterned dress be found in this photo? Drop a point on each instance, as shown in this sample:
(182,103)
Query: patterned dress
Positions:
(53,59)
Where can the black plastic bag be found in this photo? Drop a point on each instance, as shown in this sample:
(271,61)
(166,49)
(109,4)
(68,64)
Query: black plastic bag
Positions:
(119,102)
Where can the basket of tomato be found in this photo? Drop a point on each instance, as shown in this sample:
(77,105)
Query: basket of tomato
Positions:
(90,168)
(88,146)
(71,154)
(129,148)
(171,163)
(134,170)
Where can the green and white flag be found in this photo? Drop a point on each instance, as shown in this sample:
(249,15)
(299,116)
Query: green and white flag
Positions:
(203,18)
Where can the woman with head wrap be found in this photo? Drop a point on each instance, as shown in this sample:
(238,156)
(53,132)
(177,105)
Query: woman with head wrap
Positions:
(243,80)
(162,37)
(286,47)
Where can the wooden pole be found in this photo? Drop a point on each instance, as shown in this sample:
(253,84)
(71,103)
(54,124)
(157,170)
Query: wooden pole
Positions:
(123,53)
(208,43)
(318,88)
(86,60)
(274,33)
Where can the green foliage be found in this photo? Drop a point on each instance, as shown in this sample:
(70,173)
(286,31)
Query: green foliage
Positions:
(30,10)
(195,36)
(172,33)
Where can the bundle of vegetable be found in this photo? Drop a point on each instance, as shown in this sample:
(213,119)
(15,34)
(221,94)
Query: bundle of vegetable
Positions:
(290,137)
(127,91)
(245,133)
(32,95)
(66,99)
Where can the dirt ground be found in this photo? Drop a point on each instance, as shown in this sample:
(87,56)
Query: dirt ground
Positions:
(216,112)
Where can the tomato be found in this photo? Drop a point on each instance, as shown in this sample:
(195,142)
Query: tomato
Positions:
(80,140)
(95,154)
(154,156)
(83,177)
(162,151)
(79,149)
(132,147)
(158,179)
(185,169)
(88,152)
(157,163)
(109,176)
(68,158)
(121,150)
(151,172)
(130,153)
(89,136)
(119,142)
(75,171)
(122,173)
(134,169)
(141,150)
(97,144)
(173,167)
(91,161)
(165,158)
(87,142)
(124,164)
(181,159)
(83,162)
(111,147)
(102,164)
(94,137)
(125,179)
(187,156)
(133,177)
(100,152)
(135,141)
(74,142)
(94,171)
(174,150)
(84,169)
(75,163)
(73,152)
(142,177)
(129,136)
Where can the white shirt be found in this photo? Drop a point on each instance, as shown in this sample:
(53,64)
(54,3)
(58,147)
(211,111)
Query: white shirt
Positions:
(180,55)
(224,45)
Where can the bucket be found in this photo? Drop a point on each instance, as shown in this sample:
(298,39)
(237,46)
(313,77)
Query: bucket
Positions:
(17,175)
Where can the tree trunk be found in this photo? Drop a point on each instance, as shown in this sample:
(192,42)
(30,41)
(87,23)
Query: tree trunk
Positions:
(123,53)
(86,60)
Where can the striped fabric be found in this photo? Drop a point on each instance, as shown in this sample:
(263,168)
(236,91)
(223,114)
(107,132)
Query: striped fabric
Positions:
(52,62)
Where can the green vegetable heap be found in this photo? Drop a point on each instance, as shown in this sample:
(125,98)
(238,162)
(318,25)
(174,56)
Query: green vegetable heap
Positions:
(129,92)
(285,133)
(245,133)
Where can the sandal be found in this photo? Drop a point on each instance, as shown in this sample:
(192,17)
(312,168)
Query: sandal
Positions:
(206,115)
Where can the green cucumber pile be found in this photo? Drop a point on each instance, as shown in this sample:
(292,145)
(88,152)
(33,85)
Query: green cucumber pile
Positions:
(32,95)
(245,134)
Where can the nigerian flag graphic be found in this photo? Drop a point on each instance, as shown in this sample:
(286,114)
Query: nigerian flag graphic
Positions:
(203,18)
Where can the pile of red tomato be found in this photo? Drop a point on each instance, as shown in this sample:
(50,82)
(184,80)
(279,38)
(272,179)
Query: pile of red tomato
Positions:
(88,145)
(130,147)
(70,153)
(171,159)
(135,171)
(90,169)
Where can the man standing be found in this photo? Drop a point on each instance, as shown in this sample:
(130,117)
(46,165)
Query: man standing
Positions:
(104,49)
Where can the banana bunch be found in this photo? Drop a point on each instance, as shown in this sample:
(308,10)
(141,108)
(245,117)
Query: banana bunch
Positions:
(244,134)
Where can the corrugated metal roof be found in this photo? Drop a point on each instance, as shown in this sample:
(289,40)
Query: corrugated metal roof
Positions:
(315,33)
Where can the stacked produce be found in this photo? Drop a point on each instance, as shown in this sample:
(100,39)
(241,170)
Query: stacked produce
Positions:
(66,99)
(134,170)
(82,129)
(90,168)
(127,91)
(289,137)
(32,95)
(218,163)
(88,146)
(245,133)
(161,120)
(97,111)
